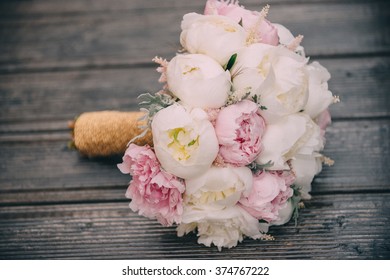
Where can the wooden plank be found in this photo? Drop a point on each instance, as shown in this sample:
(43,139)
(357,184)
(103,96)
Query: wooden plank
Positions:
(361,151)
(44,171)
(51,197)
(44,101)
(17,8)
(101,40)
(330,227)
(61,58)
(64,95)
(362,86)
(50,165)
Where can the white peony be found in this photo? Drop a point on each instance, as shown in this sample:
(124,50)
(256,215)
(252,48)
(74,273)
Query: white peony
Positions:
(312,142)
(223,228)
(306,160)
(252,67)
(216,36)
(284,214)
(184,141)
(219,187)
(305,167)
(293,134)
(276,75)
(319,96)
(198,81)
(286,38)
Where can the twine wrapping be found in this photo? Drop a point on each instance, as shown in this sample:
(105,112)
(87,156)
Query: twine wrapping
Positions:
(107,133)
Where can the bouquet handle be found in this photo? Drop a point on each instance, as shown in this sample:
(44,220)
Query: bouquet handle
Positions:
(107,133)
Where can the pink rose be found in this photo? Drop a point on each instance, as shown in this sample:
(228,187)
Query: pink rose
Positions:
(153,192)
(267,33)
(270,193)
(239,129)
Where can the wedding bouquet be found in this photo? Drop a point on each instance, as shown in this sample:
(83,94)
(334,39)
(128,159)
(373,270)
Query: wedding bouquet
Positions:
(237,130)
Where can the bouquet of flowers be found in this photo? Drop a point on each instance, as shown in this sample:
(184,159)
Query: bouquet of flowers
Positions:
(237,129)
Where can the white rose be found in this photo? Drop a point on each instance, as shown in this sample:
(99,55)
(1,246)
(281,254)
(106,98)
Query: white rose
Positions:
(293,134)
(216,36)
(223,228)
(198,80)
(184,141)
(276,75)
(305,167)
(219,187)
(319,96)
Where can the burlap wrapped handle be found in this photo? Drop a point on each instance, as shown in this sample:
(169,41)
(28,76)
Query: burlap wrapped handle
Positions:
(107,133)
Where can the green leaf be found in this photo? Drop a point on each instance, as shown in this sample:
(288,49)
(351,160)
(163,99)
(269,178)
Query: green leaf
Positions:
(156,102)
(255,167)
(255,98)
(240,22)
(231,62)
(150,104)
(295,216)
(295,200)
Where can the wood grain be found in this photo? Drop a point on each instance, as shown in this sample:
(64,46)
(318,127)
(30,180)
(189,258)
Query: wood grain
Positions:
(43,171)
(101,40)
(61,58)
(22,8)
(330,227)
(44,101)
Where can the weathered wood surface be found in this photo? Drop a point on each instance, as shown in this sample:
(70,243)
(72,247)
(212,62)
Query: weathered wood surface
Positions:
(52,173)
(49,98)
(331,227)
(134,36)
(61,58)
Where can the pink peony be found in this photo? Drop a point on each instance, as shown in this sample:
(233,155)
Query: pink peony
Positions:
(239,129)
(270,193)
(265,31)
(161,198)
(153,192)
(140,162)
